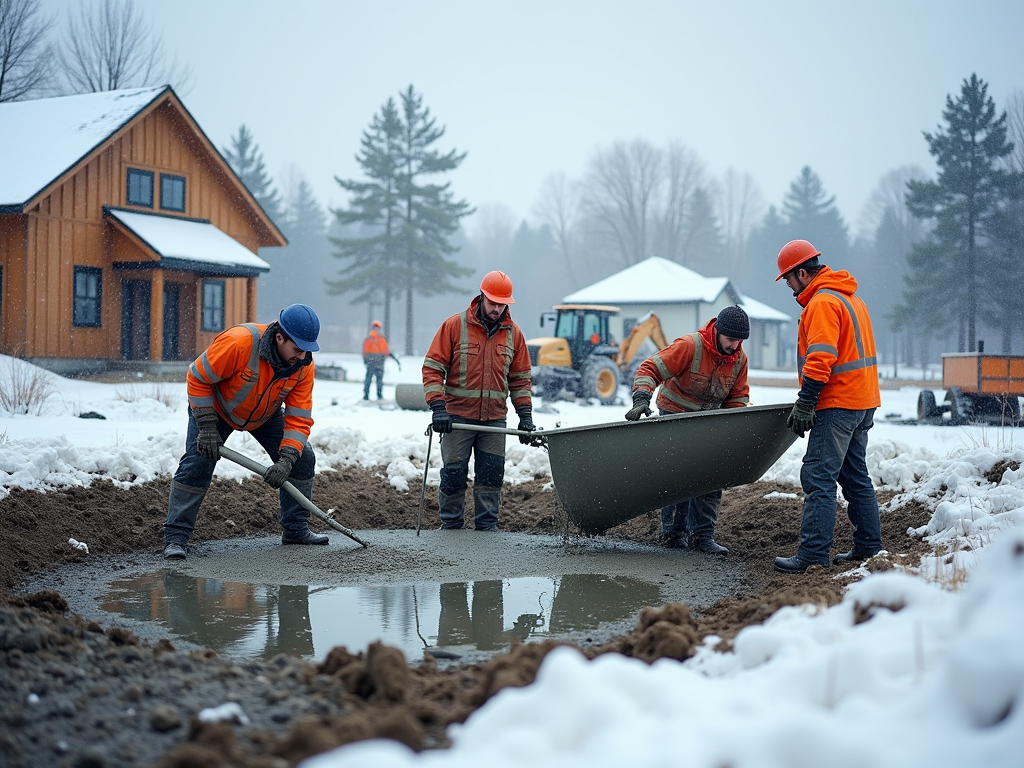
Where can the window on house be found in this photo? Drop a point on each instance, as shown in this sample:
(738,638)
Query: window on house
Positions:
(172,192)
(213,306)
(88,297)
(140,188)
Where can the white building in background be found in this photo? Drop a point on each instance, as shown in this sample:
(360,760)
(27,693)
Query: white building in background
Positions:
(684,301)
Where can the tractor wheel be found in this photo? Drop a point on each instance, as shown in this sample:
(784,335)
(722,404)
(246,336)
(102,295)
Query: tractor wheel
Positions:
(600,379)
(927,408)
(961,409)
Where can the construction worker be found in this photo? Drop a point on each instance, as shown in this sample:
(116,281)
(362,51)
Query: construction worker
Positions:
(477,360)
(256,378)
(701,371)
(838,376)
(375,353)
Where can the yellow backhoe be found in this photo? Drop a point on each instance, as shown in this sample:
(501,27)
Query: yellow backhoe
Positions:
(583,359)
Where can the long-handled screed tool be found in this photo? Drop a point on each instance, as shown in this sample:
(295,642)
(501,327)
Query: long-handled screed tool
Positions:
(259,469)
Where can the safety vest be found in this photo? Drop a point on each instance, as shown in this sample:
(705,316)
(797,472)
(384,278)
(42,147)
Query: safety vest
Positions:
(232,378)
(375,344)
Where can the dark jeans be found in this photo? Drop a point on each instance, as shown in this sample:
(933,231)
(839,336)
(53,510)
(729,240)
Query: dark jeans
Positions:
(695,517)
(488,450)
(373,371)
(836,453)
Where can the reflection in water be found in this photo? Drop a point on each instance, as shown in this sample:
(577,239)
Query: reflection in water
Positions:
(243,621)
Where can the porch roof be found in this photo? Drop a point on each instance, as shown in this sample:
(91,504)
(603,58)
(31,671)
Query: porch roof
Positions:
(188,245)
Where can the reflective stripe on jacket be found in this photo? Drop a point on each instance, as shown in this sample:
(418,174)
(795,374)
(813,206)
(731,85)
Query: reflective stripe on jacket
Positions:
(473,373)
(836,345)
(694,375)
(231,377)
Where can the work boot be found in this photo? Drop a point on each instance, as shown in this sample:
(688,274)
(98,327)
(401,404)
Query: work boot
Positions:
(794,564)
(174,552)
(853,556)
(675,541)
(709,546)
(303,537)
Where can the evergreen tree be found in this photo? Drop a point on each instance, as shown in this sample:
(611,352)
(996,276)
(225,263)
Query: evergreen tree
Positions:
(372,255)
(430,214)
(969,190)
(703,248)
(811,215)
(246,160)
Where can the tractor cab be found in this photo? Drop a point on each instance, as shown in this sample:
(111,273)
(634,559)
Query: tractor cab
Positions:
(583,330)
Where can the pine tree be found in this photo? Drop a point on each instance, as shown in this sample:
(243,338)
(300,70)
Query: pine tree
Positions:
(430,214)
(811,215)
(372,256)
(969,190)
(246,160)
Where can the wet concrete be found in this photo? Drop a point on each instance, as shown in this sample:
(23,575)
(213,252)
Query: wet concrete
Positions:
(462,594)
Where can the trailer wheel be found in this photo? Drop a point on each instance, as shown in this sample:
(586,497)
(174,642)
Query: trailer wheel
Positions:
(600,379)
(961,409)
(927,408)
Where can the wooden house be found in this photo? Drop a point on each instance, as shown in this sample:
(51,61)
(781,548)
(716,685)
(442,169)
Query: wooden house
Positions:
(126,239)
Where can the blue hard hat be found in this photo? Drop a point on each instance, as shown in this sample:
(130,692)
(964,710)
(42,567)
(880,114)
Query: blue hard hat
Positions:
(300,322)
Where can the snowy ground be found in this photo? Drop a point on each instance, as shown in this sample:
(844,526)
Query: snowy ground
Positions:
(936,677)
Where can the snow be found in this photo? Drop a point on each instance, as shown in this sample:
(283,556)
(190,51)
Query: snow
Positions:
(934,678)
(53,134)
(194,241)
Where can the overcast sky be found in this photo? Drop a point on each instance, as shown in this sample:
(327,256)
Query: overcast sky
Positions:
(528,88)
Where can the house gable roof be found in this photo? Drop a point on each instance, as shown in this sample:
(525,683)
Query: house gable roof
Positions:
(53,136)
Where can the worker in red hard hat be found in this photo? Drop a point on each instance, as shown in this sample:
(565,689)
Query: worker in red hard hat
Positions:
(838,375)
(375,353)
(477,360)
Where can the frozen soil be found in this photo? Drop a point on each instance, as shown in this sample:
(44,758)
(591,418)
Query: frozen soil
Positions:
(75,692)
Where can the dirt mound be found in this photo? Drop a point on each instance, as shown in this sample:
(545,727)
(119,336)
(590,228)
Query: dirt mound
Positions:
(72,693)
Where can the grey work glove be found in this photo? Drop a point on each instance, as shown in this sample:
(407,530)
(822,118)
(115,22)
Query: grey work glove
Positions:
(441,420)
(801,418)
(278,473)
(641,406)
(526,425)
(208,441)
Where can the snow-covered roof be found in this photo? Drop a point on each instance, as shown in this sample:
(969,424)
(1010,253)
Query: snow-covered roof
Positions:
(652,281)
(759,311)
(190,244)
(42,139)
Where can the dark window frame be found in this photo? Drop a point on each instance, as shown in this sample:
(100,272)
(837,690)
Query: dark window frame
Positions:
(213,314)
(139,172)
(164,206)
(87,310)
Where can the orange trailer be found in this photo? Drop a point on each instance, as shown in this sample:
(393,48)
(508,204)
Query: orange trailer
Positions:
(979,388)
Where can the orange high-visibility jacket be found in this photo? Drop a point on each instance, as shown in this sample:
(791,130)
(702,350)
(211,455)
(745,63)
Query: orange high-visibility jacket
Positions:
(835,344)
(694,375)
(375,344)
(475,374)
(231,377)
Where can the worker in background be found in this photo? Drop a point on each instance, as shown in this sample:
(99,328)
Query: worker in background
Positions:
(476,361)
(701,371)
(259,379)
(375,353)
(838,376)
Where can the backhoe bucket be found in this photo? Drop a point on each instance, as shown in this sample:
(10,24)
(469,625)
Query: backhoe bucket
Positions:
(606,474)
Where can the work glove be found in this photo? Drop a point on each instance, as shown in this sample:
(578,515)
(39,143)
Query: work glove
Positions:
(641,405)
(441,421)
(279,472)
(526,425)
(208,441)
(801,418)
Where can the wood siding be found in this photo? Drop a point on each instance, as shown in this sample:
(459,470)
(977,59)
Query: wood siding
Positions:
(40,249)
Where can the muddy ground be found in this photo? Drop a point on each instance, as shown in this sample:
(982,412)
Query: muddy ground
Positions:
(74,693)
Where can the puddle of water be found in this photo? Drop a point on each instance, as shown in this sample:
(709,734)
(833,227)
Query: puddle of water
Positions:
(246,621)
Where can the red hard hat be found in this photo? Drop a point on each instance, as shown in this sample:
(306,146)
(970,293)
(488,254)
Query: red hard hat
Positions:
(376,324)
(793,254)
(497,286)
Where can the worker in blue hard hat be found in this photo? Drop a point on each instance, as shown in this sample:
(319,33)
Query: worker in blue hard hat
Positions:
(257,378)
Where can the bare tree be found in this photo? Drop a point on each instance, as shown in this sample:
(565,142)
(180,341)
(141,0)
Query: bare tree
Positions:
(110,46)
(495,226)
(684,174)
(559,208)
(740,207)
(889,200)
(622,186)
(25,56)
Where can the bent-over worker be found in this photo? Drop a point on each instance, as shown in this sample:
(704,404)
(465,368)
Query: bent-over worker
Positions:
(256,378)
(477,360)
(701,371)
